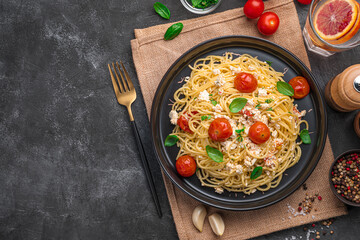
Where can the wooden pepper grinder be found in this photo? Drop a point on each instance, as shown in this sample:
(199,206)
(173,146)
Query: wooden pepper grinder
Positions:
(342,93)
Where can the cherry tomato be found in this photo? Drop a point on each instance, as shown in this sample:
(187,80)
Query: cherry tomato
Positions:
(245,82)
(183,122)
(220,129)
(301,87)
(185,166)
(253,8)
(259,133)
(268,23)
(306,2)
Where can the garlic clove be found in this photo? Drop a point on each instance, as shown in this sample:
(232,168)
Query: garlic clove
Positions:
(198,217)
(217,224)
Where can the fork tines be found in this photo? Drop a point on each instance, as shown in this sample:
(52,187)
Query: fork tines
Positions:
(125,84)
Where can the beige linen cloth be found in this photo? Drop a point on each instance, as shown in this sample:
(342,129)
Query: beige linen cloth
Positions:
(153,56)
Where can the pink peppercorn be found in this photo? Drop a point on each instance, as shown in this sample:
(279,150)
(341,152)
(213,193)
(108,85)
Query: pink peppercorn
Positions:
(347,169)
(313,225)
(348,187)
(335,186)
(320,198)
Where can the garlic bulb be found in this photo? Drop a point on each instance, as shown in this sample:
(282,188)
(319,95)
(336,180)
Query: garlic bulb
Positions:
(198,217)
(217,224)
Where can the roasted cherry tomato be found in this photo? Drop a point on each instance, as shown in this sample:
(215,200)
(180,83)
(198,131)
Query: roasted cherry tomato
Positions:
(186,166)
(306,2)
(184,123)
(245,82)
(220,129)
(301,87)
(253,8)
(259,133)
(268,23)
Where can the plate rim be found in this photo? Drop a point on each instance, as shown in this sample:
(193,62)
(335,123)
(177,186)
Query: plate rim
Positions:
(319,146)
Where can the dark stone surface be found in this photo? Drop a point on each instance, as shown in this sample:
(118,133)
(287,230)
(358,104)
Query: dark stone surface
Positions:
(69,165)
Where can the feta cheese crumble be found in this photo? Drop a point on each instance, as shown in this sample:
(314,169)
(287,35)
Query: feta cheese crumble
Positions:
(262,92)
(220,80)
(204,95)
(216,71)
(219,190)
(173,117)
(217,108)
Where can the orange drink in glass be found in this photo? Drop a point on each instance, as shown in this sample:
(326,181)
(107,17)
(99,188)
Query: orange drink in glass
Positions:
(332,26)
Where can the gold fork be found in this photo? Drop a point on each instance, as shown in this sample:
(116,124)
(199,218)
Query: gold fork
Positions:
(126,95)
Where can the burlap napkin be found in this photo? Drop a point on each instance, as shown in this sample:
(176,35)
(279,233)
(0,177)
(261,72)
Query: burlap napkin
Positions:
(153,56)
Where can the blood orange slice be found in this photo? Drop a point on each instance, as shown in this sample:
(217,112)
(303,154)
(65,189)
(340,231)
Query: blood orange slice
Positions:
(335,18)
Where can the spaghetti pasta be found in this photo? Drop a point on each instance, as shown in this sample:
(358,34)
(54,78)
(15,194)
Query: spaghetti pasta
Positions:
(207,94)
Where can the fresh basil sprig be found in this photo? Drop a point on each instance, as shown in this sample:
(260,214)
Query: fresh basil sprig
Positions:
(285,88)
(237,105)
(171,140)
(173,31)
(162,10)
(305,137)
(203,3)
(214,154)
(256,173)
(268,62)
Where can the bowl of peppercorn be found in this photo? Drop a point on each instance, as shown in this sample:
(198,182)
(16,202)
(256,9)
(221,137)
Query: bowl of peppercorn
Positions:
(345,177)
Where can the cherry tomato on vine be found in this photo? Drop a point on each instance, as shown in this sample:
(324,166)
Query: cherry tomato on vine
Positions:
(259,132)
(185,166)
(301,87)
(245,82)
(253,8)
(268,23)
(306,2)
(220,129)
(183,122)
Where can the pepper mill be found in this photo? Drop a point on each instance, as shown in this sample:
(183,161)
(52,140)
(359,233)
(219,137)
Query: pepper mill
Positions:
(342,93)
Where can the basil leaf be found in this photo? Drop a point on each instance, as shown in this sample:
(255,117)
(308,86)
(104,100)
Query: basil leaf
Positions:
(305,137)
(173,31)
(269,100)
(237,105)
(256,173)
(268,62)
(285,88)
(258,106)
(214,154)
(171,140)
(270,109)
(196,3)
(213,102)
(162,10)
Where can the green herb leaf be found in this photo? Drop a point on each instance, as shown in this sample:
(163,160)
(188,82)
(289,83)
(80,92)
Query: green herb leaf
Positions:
(239,138)
(205,117)
(203,3)
(285,88)
(213,102)
(173,31)
(258,106)
(210,95)
(305,137)
(256,173)
(269,100)
(214,154)
(238,131)
(171,140)
(268,62)
(237,105)
(162,10)
(270,109)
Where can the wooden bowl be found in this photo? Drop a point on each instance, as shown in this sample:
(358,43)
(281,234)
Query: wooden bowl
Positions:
(344,200)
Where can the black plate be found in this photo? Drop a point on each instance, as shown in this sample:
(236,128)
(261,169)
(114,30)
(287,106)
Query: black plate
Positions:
(281,59)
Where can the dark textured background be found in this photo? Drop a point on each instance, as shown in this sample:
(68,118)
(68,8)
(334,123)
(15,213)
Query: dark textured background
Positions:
(69,165)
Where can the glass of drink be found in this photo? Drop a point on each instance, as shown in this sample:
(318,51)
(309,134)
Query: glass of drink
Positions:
(332,26)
